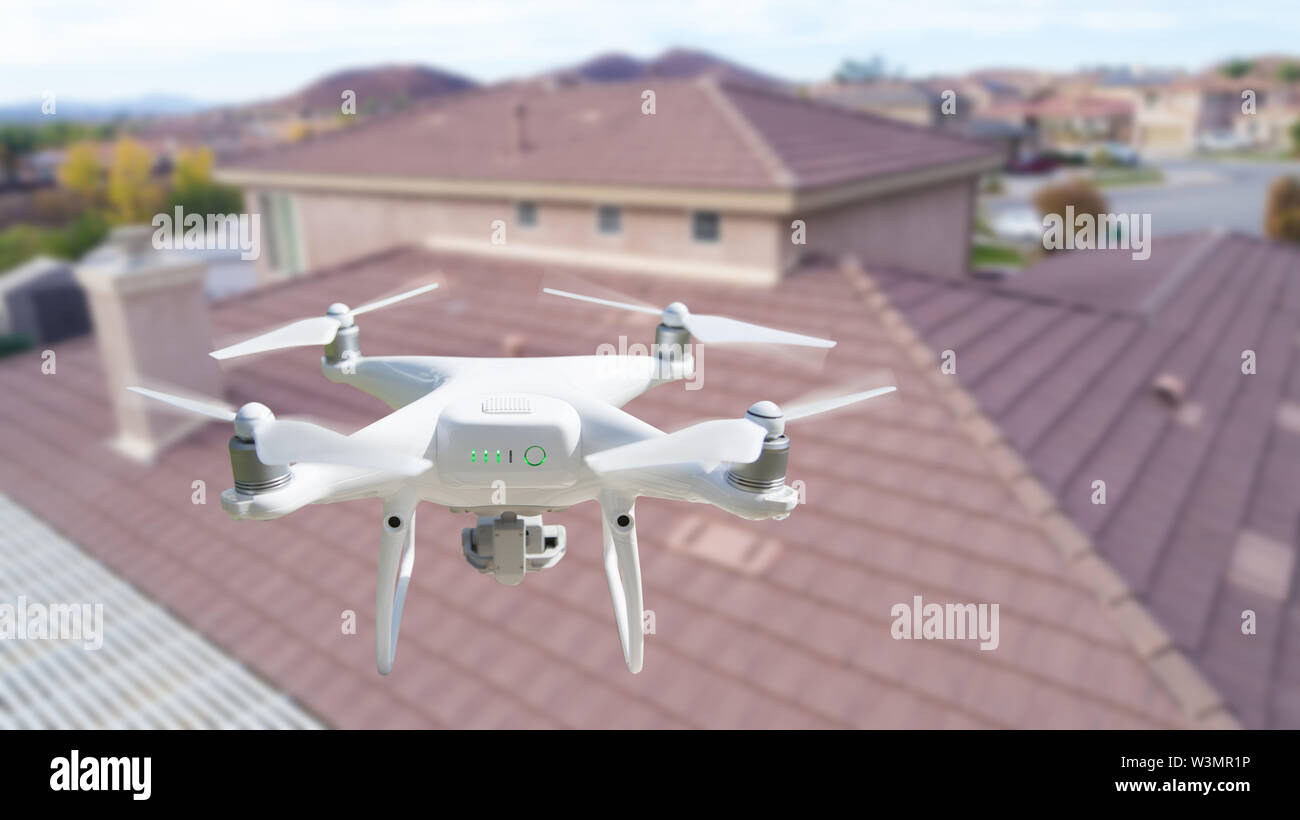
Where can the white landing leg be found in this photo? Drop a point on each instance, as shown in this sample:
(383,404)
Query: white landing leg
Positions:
(396,559)
(623,572)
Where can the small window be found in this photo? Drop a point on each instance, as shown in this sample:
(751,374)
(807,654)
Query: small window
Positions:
(706,226)
(526,214)
(609,219)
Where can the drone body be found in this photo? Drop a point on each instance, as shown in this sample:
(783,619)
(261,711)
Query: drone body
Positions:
(508,440)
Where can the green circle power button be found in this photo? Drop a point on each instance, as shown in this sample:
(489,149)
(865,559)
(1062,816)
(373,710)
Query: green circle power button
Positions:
(534,456)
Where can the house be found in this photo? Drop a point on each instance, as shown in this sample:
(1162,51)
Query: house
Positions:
(1068,122)
(757,624)
(701,177)
(1211,110)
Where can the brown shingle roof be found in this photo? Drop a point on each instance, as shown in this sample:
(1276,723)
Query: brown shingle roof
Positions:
(705,133)
(900,502)
(1201,499)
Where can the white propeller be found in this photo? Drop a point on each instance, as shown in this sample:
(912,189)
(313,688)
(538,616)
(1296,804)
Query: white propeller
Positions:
(735,440)
(318,330)
(738,440)
(812,408)
(282,441)
(212,410)
(707,328)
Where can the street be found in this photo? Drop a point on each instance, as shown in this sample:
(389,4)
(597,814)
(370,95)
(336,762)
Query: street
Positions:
(1195,195)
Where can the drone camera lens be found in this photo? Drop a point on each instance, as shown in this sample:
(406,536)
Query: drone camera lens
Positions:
(394,522)
(624,520)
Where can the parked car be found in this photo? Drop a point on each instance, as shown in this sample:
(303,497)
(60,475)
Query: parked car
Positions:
(1033,164)
(1221,141)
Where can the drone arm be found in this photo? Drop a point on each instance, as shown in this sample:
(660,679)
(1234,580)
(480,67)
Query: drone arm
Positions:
(396,559)
(623,572)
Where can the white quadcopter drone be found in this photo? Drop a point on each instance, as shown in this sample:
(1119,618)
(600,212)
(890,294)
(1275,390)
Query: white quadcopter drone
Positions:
(509,439)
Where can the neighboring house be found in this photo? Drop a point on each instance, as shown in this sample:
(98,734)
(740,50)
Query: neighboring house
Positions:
(1205,111)
(1094,367)
(1069,122)
(757,624)
(708,185)
(1013,83)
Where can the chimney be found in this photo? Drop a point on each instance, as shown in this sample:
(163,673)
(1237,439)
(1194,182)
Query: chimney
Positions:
(521,126)
(152,325)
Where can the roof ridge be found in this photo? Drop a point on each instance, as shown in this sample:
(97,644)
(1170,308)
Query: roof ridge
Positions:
(1201,702)
(781,173)
(850,113)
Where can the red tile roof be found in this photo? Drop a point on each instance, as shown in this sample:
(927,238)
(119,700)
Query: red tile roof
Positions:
(900,502)
(1064,358)
(705,133)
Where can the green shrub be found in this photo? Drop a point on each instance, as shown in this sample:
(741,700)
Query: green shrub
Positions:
(72,241)
(18,243)
(206,198)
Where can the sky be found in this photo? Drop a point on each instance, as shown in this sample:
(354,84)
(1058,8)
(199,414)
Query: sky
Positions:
(238,50)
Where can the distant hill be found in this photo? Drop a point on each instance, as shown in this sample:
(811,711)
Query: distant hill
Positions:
(674,63)
(232,129)
(378,87)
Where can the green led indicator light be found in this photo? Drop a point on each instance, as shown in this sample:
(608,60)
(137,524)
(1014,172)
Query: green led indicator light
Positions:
(473,456)
(498,456)
(534,456)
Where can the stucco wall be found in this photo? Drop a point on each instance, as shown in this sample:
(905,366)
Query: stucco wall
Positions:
(926,230)
(338,227)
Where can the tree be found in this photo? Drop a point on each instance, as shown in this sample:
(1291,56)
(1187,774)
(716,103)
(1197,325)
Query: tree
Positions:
(1077,192)
(81,171)
(1295,138)
(860,71)
(132,196)
(1289,72)
(194,190)
(1282,211)
(17,141)
(297,131)
(193,168)
(1237,68)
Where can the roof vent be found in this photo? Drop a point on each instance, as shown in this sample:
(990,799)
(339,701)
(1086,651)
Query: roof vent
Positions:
(1288,416)
(521,126)
(1170,389)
